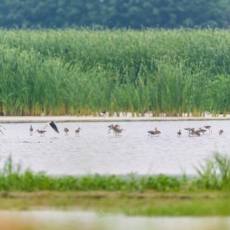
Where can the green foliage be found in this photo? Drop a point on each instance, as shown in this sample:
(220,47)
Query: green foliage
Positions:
(214,174)
(13,179)
(56,72)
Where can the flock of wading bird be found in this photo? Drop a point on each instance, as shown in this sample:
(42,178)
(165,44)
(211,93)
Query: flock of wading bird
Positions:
(192,132)
(53,125)
(117,130)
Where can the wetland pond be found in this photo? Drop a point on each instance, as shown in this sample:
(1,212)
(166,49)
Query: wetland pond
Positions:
(97,151)
(74,220)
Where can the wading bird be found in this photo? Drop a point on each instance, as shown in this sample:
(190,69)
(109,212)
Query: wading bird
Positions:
(66,131)
(221,131)
(77,131)
(41,132)
(190,130)
(117,131)
(31,130)
(179,133)
(194,133)
(208,127)
(112,127)
(202,131)
(154,132)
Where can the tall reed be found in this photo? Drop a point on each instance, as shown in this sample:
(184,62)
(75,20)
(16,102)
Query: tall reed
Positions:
(85,71)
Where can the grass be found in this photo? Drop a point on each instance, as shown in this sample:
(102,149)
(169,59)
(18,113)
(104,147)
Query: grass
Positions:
(206,194)
(56,72)
(213,175)
(146,203)
(13,179)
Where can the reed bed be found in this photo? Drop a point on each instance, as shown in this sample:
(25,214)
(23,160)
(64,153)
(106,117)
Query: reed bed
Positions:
(82,72)
(213,175)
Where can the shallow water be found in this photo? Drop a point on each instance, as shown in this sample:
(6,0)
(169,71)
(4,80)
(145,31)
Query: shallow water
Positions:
(76,220)
(96,151)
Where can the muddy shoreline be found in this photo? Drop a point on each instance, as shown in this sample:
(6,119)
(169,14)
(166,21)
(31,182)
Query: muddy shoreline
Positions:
(41,119)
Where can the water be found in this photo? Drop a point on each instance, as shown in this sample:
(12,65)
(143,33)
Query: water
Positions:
(96,151)
(76,220)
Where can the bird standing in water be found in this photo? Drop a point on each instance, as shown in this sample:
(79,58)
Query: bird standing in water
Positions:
(154,132)
(208,127)
(112,127)
(31,130)
(66,130)
(77,131)
(221,131)
(41,132)
(202,131)
(179,133)
(117,130)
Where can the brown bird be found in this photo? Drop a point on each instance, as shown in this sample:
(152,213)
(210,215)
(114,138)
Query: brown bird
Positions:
(154,132)
(190,130)
(194,133)
(66,131)
(113,126)
(117,130)
(41,132)
(31,130)
(208,127)
(179,133)
(221,131)
(77,131)
(203,131)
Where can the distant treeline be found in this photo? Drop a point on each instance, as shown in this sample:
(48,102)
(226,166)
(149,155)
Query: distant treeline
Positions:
(114,13)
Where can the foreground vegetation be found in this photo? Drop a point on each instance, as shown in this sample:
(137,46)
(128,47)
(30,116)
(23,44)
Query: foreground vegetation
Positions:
(214,175)
(84,72)
(146,203)
(205,194)
(105,204)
